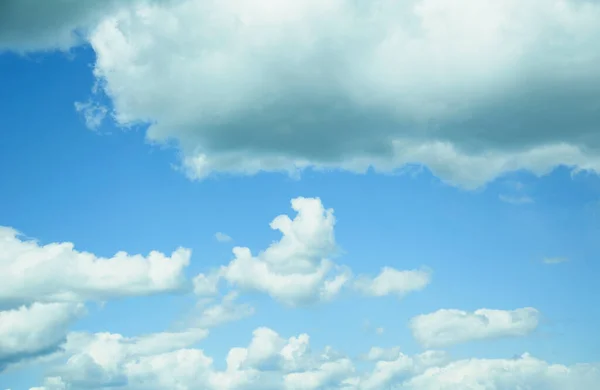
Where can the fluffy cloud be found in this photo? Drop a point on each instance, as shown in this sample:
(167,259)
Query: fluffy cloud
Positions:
(471,88)
(298,268)
(106,360)
(35,330)
(525,372)
(448,326)
(273,362)
(57,272)
(394,367)
(294,270)
(392,281)
(44,288)
(165,360)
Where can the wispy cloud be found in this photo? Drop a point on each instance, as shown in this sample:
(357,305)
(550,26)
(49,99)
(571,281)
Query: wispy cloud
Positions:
(93,113)
(555,260)
(516,200)
(222,237)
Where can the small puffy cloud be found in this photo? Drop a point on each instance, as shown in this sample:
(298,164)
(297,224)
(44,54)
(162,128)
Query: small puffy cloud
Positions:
(35,330)
(57,272)
(471,89)
(392,281)
(222,237)
(446,327)
(294,270)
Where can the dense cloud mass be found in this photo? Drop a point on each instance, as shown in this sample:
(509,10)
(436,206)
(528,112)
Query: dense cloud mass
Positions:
(471,89)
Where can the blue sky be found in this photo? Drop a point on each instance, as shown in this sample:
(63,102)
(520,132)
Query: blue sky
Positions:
(443,219)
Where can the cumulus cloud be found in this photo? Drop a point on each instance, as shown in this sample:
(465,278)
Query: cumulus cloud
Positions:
(273,362)
(392,281)
(56,272)
(394,367)
(298,268)
(38,329)
(106,359)
(165,360)
(472,89)
(449,326)
(525,372)
(294,270)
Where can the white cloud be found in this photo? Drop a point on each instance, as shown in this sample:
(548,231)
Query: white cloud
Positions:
(297,269)
(105,359)
(394,367)
(327,375)
(222,237)
(275,363)
(525,372)
(165,360)
(35,330)
(294,270)
(472,88)
(57,272)
(392,281)
(449,326)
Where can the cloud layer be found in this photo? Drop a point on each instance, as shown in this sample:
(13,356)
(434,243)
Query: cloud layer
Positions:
(271,361)
(471,89)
